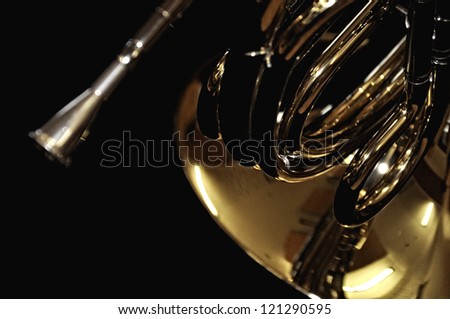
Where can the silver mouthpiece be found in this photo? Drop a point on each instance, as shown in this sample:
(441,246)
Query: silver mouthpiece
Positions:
(62,133)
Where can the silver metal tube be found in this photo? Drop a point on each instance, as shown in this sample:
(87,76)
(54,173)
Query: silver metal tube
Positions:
(61,134)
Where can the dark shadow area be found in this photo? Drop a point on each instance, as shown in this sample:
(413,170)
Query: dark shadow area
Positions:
(125,232)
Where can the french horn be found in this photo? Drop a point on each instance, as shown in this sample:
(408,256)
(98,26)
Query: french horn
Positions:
(323,151)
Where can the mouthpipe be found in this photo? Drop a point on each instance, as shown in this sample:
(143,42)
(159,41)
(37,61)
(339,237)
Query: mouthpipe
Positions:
(62,133)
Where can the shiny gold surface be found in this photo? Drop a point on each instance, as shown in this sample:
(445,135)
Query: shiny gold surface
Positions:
(288,220)
(368,220)
(289,228)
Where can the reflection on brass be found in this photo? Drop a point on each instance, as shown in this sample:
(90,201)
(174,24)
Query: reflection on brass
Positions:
(269,14)
(341,190)
(287,223)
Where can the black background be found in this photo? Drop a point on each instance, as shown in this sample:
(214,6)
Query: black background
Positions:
(93,232)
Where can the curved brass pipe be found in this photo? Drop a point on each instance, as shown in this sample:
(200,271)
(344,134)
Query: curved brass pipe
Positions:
(291,161)
(400,144)
(307,215)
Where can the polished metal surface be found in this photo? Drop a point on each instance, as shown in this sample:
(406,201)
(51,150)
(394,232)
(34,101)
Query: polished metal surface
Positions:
(407,134)
(292,164)
(63,132)
(297,221)
(323,151)
(289,228)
